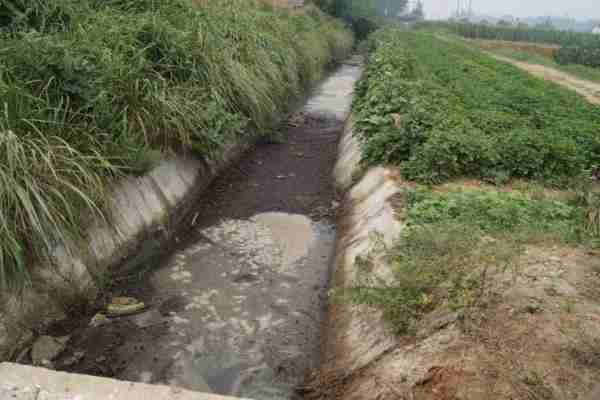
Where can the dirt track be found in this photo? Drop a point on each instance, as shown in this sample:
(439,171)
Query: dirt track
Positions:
(589,90)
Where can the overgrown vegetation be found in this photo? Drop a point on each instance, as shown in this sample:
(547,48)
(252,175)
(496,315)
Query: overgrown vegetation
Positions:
(582,55)
(454,242)
(440,110)
(94,89)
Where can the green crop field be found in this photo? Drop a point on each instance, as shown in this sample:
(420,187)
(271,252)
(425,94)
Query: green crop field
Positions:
(441,110)
(576,47)
(91,90)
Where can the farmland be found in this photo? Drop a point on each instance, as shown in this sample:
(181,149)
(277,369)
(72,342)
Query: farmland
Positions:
(440,110)
(575,47)
(520,34)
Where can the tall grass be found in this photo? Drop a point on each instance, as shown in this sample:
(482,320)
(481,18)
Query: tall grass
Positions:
(92,89)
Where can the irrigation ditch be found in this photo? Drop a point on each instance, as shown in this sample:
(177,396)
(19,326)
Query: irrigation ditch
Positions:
(234,301)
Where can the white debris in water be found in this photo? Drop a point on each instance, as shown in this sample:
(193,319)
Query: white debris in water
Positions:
(253,240)
(177,320)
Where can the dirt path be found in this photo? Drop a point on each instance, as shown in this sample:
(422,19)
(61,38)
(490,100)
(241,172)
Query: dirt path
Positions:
(589,90)
(236,306)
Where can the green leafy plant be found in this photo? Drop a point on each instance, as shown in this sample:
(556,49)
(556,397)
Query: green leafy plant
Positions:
(441,110)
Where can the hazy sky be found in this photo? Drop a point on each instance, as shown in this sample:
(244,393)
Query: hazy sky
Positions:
(519,8)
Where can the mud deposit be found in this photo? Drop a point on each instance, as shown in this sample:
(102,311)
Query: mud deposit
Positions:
(235,307)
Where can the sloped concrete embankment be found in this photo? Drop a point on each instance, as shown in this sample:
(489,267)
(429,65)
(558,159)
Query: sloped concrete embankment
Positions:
(363,360)
(140,211)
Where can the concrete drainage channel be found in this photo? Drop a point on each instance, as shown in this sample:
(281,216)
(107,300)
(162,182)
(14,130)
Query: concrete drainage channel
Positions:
(237,307)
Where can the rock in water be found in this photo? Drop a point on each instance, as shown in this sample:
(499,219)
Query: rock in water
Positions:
(124,306)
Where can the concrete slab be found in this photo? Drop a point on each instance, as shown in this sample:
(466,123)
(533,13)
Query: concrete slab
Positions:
(20,382)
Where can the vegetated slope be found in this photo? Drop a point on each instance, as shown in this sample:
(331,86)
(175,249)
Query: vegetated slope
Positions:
(94,89)
(440,110)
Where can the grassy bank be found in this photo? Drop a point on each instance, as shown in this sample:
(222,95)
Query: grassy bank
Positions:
(92,90)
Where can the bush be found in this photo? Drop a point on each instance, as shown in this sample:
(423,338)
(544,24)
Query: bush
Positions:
(583,55)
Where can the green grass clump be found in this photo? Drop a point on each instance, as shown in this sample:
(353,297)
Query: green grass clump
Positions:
(440,110)
(91,90)
(453,244)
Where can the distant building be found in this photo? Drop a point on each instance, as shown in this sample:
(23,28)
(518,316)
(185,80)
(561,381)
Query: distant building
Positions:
(596,30)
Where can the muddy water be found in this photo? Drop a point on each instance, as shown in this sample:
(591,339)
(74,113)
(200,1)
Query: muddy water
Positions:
(237,307)
(253,293)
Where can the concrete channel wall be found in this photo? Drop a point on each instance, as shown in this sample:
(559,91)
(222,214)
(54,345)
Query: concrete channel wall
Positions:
(140,209)
(366,361)
(20,382)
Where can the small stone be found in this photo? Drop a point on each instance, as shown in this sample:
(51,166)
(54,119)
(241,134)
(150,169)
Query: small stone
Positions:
(46,349)
(99,320)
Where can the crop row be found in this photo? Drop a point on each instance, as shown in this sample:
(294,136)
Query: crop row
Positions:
(441,110)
